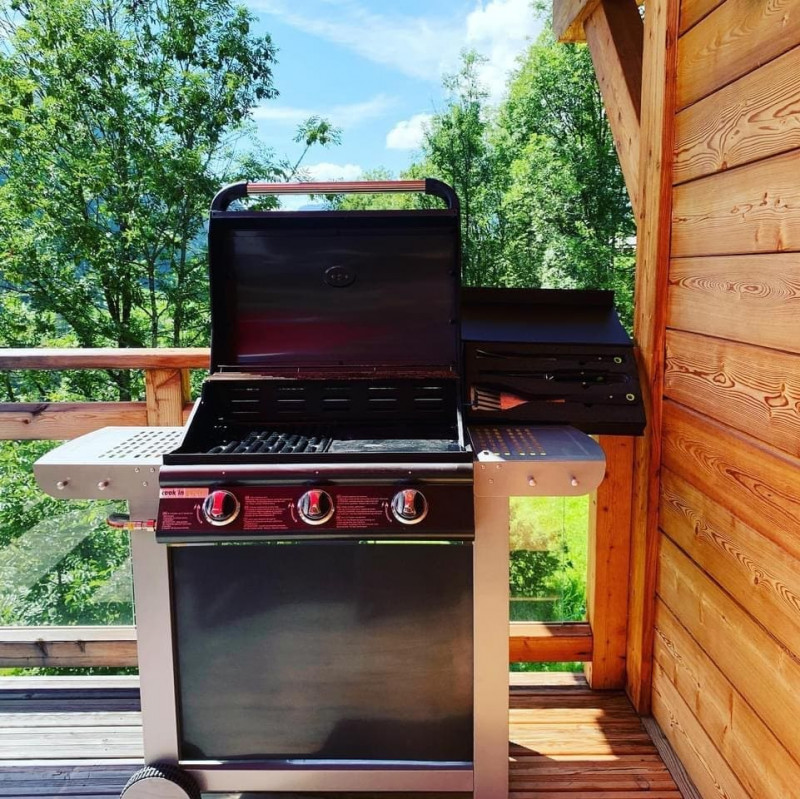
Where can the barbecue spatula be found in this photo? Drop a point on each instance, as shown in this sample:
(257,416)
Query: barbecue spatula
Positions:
(489,398)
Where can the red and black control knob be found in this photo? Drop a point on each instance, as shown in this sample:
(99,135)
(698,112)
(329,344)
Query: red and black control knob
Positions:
(315,506)
(409,506)
(220,507)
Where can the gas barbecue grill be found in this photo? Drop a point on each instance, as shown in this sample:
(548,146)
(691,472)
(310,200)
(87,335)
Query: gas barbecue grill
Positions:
(321,580)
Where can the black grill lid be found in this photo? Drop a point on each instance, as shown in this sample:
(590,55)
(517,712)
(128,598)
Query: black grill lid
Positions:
(355,292)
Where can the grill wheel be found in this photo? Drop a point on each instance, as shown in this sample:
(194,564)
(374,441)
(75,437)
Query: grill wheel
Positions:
(160,781)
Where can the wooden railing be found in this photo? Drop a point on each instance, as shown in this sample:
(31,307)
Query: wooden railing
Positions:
(599,644)
(166,380)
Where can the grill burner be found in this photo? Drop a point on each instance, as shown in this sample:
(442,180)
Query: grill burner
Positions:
(272,442)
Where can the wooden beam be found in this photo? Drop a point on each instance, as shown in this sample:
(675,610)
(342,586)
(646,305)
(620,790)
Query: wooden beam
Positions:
(615,34)
(544,642)
(609,564)
(534,642)
(24,647)
(58,421)
(166,393)
(569,17)
(650,308)
(105,358)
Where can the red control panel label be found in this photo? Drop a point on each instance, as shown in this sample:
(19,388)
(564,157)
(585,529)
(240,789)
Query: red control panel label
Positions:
(271,510)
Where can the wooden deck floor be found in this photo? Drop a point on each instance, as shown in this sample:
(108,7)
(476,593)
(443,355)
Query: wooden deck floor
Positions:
(58,738)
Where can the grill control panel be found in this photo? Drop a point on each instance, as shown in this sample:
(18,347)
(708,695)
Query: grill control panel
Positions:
(191,513)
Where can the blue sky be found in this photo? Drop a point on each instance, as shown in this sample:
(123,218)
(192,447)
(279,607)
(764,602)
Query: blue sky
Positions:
(374,68)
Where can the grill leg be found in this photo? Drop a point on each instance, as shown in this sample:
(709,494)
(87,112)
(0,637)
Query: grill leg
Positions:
(491,647)
(154,644)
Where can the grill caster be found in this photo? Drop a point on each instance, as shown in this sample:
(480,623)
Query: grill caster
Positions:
(160,781)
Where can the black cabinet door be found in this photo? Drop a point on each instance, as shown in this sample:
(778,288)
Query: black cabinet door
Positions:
(324,651)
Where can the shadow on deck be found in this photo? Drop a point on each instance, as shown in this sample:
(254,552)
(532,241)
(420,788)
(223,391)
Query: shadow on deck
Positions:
(61,738)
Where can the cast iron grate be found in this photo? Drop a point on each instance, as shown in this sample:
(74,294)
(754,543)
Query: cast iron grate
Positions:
(271,442)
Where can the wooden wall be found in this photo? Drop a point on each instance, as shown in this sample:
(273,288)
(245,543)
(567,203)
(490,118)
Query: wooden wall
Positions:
(726,668)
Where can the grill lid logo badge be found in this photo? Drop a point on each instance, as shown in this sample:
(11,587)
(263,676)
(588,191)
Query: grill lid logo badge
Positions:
(339,276)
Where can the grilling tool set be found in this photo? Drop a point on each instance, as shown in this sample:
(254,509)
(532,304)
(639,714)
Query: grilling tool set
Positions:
(320,556)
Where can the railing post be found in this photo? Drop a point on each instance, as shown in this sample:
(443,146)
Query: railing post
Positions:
(166,393)
(608,565)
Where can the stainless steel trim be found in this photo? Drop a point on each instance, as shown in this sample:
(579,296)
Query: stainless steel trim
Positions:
(294,473)
(154,641)
(491,591)
(355,778)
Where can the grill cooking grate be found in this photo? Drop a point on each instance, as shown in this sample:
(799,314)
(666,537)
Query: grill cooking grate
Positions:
(269,442)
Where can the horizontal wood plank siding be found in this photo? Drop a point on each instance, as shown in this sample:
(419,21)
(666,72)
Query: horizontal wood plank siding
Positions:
(727,619)
(754,299)
(753,118)
(692,11)
(697,751)
(763,671)
(734,39)
(755,755)
(748,388)
(754,208)
(757,484)
(760,575)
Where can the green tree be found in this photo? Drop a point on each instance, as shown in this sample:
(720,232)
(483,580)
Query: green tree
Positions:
(119,119)
(457,149)
(568,215)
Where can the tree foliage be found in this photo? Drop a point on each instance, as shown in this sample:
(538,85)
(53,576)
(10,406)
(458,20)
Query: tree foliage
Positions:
(567,211)
(119,120)
(543,201)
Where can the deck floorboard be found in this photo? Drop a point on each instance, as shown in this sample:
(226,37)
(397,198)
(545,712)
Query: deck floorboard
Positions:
(565,742)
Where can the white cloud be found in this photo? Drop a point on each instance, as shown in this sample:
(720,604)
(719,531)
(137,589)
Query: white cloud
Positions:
(345,116)
(422,47)
(408,134)
(500,30)
(326,171)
